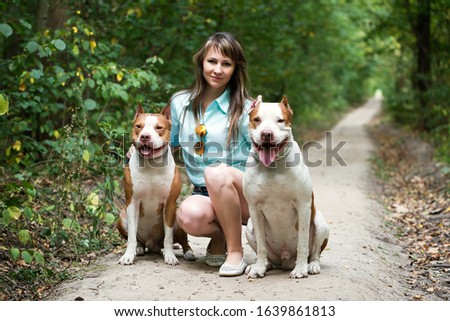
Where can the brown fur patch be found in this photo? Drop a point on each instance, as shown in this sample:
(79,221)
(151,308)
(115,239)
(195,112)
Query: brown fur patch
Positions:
(312,227)
(253,117)
(313,209)
(128,185)
(286,111)
(121,223)
(171,205)
(324,245)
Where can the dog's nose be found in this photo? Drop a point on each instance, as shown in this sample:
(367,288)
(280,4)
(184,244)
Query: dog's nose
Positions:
(266,136)
(145,137)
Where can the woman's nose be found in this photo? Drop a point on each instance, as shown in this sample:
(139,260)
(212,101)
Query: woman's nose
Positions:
(218,69)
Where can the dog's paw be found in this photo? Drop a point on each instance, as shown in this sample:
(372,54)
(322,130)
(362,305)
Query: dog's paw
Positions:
(140,250)
(189,255)
(254,271)
(300,271)
(127,258)
(314,267)
(170,259)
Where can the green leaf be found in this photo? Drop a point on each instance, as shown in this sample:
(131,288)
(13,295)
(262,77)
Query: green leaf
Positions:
(70,224)
(14,212)
(44,52)
(24,236)
(28,213)
(4,104)
(76,50)
(59,44)
(36,74)
(6,218)
(67,223)
(6,29)
(91,83)
(15,253)
(86,156)
(31,192)
(90,104)
(39,257)
(26,24)
(26,256)
(32,46)
(110,218)
(50,208)
(123,94)
(85,45)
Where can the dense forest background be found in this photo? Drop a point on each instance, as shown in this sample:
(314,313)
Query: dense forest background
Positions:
(72,72)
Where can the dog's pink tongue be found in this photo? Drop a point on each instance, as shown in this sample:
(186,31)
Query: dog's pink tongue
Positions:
(267,156)
(146,151)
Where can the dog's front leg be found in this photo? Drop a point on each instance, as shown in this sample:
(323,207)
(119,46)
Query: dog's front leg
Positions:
(260,267)
(132,223)
(301,264)
(169,222)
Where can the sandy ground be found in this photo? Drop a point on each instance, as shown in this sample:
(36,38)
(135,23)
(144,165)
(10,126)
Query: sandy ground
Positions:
(360,262)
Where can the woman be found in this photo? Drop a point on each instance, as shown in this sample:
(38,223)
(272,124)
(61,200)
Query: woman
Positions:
(210,124)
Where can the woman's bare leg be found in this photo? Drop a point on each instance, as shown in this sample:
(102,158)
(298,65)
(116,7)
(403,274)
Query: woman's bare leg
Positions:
(224,185)
(196,217)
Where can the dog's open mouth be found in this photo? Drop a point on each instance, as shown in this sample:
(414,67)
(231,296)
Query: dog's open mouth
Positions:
(268,152)
(147,151)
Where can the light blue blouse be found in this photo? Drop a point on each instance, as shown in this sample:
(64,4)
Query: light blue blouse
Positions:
(216,121)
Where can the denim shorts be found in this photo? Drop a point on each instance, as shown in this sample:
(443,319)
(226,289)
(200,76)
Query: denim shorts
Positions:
(200,190)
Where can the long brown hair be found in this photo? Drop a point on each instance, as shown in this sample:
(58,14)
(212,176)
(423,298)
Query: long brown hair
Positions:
(229,46)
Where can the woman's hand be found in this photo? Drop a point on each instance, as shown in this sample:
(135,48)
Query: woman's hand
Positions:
(130,151)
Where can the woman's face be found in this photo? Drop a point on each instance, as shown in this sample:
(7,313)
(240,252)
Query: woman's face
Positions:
(217,69)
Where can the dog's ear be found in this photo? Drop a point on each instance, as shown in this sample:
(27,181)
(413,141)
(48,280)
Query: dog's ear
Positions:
(166,112)
(285,102)
(139,110)
(255,103)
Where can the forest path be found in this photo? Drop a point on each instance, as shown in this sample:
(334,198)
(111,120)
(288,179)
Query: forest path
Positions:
(360,263)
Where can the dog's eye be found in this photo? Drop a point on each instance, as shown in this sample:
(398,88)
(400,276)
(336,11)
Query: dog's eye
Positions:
(281,120)
(256,120)
(159,127)
(138,126)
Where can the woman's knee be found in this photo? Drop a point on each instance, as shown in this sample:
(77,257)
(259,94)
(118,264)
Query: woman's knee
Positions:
(192,217)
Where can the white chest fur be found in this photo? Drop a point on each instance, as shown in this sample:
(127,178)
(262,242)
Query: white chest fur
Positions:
(152,180)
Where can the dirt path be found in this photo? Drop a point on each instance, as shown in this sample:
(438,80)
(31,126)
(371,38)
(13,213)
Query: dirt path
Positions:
(360,263)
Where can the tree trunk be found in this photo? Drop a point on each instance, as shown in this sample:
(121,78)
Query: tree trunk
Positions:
(420,24)
(423,76)
(51,14)
(42,15)
(57,14)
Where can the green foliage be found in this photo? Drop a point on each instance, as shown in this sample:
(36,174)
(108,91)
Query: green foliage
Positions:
(68,92)
(4,105)
(396,39)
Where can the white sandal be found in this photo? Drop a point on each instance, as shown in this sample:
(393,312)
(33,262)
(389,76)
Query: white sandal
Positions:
(214,260)
(233,270)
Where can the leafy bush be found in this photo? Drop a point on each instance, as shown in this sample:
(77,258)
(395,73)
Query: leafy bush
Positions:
(65,103)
